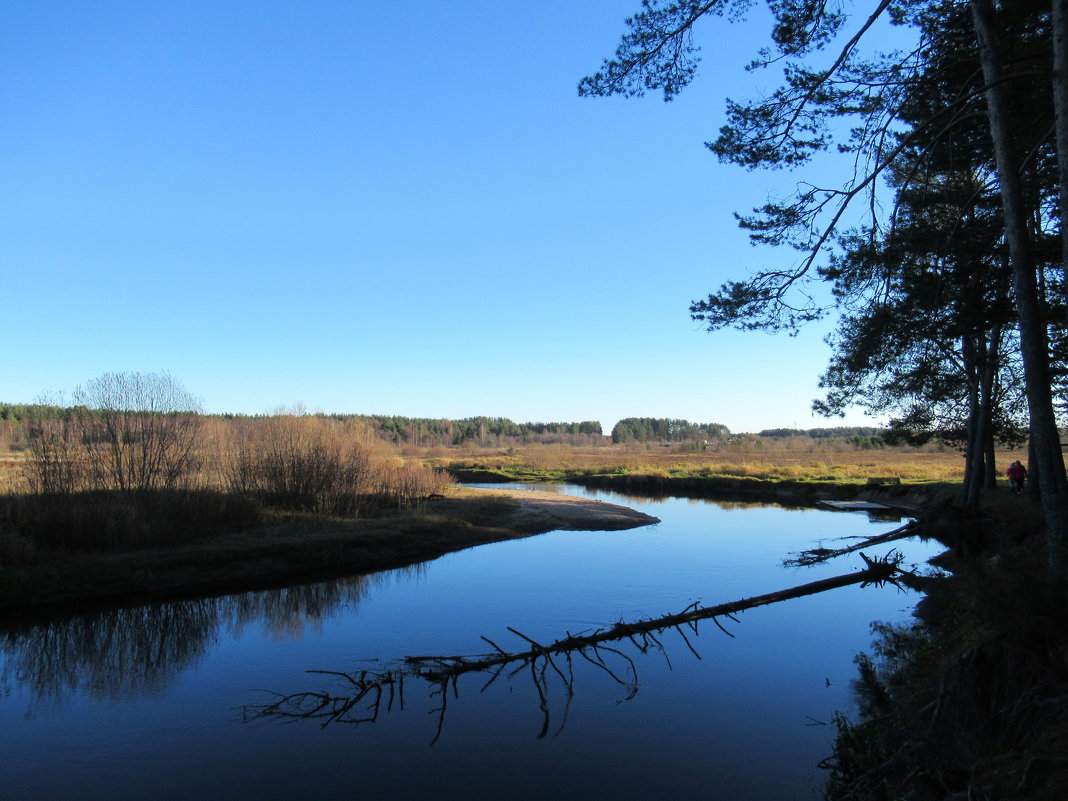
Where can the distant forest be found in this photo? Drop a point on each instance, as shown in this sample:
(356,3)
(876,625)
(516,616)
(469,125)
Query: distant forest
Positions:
(662,429)
(845,432)
(500,431)
(421,431)
(427,432)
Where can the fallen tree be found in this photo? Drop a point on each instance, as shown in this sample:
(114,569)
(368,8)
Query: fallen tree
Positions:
(814,556)
(367,693)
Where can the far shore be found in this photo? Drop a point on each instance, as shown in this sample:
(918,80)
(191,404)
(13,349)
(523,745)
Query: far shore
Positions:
(302,548)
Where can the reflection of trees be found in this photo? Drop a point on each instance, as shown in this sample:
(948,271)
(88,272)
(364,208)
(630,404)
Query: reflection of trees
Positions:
(736,506)
(694,497)
(112,653)
(364,695)
(288,612)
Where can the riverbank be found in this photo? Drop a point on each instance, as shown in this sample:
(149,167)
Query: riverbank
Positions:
(728,488)
(970,701)
(298,548)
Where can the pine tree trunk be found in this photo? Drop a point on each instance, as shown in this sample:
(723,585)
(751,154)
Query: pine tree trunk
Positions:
(991,386)
(973,452)
(990,473)
(1060,108)
(991,346)
(1033,336)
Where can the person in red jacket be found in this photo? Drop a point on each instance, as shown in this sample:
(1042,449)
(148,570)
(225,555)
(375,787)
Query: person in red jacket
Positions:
(1017,474)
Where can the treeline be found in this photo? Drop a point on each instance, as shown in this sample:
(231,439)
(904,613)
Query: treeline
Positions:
(841,432)
(484,431)
(426,432)
(396,429)
(863,437)
(662,429)
(17,412)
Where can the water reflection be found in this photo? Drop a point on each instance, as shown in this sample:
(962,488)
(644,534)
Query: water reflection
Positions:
(364,695)
(110,654)
(734,724)
(120,653)
(622,495)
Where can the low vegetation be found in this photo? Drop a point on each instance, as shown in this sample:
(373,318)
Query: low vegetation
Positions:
(136,466)
(799,459)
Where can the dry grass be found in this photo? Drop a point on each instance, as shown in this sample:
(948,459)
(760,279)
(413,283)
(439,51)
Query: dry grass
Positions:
(767,459)
(231,477)
(12,473)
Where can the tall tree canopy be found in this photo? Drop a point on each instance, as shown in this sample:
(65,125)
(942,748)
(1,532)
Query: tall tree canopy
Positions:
(940,247)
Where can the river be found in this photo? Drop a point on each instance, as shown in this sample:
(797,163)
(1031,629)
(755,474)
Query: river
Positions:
(164,701)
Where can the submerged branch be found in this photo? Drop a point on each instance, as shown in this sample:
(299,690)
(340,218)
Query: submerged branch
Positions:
(814,556)
(363,702)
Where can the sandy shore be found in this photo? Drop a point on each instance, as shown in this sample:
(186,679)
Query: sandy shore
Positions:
(541,510)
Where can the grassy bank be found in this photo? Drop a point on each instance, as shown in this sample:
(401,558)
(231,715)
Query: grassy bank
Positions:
(759,489)
(279,547)
(761,459)
(115,503)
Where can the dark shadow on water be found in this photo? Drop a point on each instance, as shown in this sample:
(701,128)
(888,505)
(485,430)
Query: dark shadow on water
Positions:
(130,651)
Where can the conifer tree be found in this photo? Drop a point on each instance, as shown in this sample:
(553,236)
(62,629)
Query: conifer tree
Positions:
(1019,91)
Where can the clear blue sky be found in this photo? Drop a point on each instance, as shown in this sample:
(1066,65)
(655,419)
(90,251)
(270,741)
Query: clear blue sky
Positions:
(377,207)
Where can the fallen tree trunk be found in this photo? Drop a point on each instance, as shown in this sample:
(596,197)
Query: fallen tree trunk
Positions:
(816,555)
(370,689)
(436,668)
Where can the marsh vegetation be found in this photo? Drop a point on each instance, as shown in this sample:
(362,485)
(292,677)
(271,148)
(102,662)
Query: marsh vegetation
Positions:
(134,464)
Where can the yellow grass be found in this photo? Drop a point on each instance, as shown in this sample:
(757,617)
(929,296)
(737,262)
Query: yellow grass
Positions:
(769,460)
(12,478)
(764,459)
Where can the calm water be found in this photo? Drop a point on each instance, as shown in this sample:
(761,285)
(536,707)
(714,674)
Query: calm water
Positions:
(154,702)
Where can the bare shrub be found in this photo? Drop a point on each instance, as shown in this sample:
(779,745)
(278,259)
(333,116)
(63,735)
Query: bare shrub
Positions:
(139,430)
(303,462)
(313,463)
(406,483)
(545,457)
(128,432)
(56,463)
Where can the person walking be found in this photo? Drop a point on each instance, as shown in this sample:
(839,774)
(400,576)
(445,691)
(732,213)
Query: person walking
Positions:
(1017,474)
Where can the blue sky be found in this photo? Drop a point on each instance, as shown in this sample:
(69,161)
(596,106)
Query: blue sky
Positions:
(380,208)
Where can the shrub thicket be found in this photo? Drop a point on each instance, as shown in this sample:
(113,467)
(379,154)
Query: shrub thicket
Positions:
(314,463)
(129,432)
(132,466)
